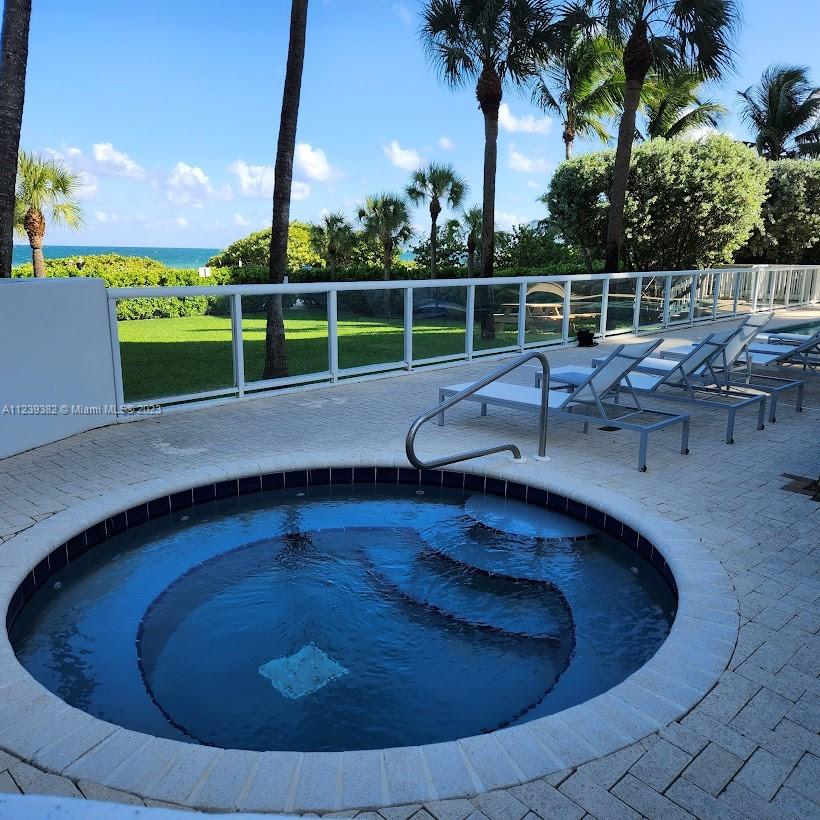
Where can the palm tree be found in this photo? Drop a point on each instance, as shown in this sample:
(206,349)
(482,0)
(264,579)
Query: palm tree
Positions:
(44,185)
(783,110)
(664,35)
(673,107)
(276,360)
(491,42)
(386,218)
(472,221)
(13,60)
(582,83)
(434,183)
(332,239)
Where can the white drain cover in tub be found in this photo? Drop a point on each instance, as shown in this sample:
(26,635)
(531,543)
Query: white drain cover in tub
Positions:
(518,518)
(303,673)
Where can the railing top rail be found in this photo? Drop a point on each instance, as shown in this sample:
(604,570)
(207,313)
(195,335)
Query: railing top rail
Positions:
(402,284)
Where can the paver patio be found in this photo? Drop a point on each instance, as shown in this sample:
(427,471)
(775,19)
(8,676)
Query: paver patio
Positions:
(750,748)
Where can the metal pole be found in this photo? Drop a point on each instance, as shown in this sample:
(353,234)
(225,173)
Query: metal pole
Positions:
(116,354)
(567,307)
(604,308)
(469,325)
(522,315)
(716,282)
(636,311)
(667,295)
(408,328)
(236,344)
(333,335)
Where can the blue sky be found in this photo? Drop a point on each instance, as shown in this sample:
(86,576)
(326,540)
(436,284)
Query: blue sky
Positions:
(170,110)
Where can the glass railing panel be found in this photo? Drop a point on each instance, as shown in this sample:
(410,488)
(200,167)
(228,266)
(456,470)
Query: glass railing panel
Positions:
(439,322)
(371,327)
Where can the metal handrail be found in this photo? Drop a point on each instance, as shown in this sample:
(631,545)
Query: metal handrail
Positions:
(410,442)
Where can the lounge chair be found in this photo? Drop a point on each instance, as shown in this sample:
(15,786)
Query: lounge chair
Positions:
(684,381)
(587,401)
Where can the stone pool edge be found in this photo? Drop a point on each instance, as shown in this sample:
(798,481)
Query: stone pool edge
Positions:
(38,727)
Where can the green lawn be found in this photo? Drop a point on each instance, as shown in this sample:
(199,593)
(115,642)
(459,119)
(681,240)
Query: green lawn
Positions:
(166,357)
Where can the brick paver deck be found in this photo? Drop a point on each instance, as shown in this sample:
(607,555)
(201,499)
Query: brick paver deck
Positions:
(750,748)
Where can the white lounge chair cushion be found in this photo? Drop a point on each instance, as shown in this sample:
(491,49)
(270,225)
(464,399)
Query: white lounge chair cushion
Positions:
(514,393)
(640,381)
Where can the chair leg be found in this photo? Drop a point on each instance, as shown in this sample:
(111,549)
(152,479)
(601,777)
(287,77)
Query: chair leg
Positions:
(799,405)
(730,426)
(761,414)
(773,407)
(642,451)
(483,409)
(684,438)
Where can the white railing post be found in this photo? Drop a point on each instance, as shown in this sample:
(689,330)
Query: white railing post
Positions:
(333,335)
(736,294)
(787,295)
(236,344)
(636,310)
(804,284)
(522,315)
(567,308)
(408,328)
(667,295)
(604,307)
(469,324)
(755,287)
(716,283)
(772,283)
(693,297)
(116,354)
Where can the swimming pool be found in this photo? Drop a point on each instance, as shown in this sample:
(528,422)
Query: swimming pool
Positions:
(324,616)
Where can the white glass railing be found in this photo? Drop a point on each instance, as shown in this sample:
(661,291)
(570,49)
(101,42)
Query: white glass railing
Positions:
(347,331)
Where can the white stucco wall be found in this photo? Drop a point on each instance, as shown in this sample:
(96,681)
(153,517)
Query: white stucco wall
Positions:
(55,353)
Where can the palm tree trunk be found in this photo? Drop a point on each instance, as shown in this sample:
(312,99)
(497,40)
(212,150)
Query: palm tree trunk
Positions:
(276,360)
(433,239)
(332,265)
(37,260)
(488,204)
(637,61)
(568,147)
(13,59)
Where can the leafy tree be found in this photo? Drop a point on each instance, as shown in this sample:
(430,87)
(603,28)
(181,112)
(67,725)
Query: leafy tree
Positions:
(789,231)
(13,60)
(491,43)
(536,245)
(692,204)
(276,360)
(451,253)
(674,108)
(664,35)
(783,111)
(386,218)
(582,83)
(432,184)
(254,250)
(44,185)
(332,239)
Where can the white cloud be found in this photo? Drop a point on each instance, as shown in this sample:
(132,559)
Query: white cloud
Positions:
(446,143)
(181,222)
(528,124)
(108,160)
(527,165)
(106,216)
(405,158)
(506,221)
(188,185)
(240,220)
(312,162)
(403,13)
(254,180)
(299,190)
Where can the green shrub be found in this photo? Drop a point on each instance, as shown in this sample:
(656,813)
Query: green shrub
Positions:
(691,204)
(789,232)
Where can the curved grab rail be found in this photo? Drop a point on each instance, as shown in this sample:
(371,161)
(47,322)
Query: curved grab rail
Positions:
(410,441)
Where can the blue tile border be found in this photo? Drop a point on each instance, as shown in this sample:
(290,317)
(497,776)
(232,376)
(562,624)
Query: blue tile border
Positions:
(335,476)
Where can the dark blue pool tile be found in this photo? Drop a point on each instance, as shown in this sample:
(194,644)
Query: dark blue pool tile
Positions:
(595,518)
(557,502)
(577,510)
(296,478)
(455,480)
(320,477)
(41,572)
(364,475)
(613,527)
(516,491)
(250,484)
(536,497)
(273,481)
(115,525)
(495,486)
(227,489)
(629,537)
(182,500)
(95,535)
(341,475)
(409,476)
(76,546)
(203,494)
(159,507)
(474,482)
(645,549)
(58,558)
(431,478)
(15,605)
(387,475)
(28,587)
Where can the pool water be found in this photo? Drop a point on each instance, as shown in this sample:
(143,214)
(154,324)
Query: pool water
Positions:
(336,618)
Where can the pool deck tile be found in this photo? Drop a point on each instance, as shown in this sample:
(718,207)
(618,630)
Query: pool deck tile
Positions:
(318,784)
(184,774)
(272,782)
(224,785)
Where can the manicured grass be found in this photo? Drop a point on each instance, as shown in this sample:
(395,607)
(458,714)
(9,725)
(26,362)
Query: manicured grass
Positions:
(166,357)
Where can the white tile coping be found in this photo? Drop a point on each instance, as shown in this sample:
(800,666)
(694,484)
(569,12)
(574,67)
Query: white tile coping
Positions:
(37,726)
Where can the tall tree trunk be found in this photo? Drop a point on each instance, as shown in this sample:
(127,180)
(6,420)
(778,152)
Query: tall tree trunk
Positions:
(37,260)
(637,61)
(568,140)
(332,265)
(13,59)
(35,226)
(276,360)
(435,210)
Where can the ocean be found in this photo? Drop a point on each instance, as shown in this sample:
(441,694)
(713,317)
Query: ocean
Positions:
(171,257)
